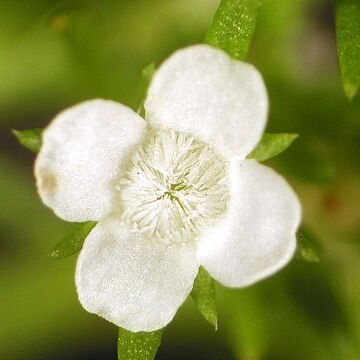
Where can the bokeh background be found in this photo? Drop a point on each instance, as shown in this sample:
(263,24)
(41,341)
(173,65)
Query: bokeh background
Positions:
(54,54)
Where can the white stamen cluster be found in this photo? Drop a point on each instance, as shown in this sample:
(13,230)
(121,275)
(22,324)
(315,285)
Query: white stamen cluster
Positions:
(174,187)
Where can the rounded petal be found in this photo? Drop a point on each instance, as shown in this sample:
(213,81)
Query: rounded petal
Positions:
(202,91)
(81,156)
(131,281)
(256,237)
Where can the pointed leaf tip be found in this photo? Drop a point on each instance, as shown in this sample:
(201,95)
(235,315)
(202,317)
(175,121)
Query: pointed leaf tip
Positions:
(308,248)
(147,74)
(204,296)
(29,138)
(350,90)
(72,242)
(271,145)
(347,23)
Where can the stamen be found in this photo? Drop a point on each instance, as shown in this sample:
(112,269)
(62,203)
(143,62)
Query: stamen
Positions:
(174,187)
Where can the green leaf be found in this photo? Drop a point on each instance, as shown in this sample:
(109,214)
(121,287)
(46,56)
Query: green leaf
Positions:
(204,295)
(233,26)
(271,145)
(138,346)
(73,241)
(146,75)
(347,18)
(30,138)
(307,247)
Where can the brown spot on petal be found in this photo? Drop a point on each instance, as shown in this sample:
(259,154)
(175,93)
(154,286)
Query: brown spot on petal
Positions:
(48,182)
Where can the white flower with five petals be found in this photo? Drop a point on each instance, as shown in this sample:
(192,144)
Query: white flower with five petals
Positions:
(172,193)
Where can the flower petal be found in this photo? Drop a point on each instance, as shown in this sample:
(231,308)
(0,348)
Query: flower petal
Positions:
(131,281)
(82,153)
(202,91)
(257,235)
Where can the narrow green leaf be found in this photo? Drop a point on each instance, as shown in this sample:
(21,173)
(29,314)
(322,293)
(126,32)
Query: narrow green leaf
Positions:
(30,138)
(73,241)
(347,18)
(204,295)
(138,346)
(146,76)
(271,145)
(307,247)
(233,26)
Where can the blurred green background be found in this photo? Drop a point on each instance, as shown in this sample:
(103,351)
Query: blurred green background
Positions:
(54,54)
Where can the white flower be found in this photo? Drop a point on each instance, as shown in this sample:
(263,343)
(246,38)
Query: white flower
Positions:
(170,193)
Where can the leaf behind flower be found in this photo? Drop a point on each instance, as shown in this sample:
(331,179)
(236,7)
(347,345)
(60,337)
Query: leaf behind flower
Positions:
(29,138)
(271,145)
(73,241)
(138,346)
(233,26)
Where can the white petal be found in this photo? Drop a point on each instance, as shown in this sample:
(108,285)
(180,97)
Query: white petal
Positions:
(81,156)
(133,282)
(202,91)
(257,235)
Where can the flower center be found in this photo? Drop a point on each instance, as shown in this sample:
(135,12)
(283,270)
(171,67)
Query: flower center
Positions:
(174,187)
